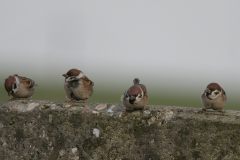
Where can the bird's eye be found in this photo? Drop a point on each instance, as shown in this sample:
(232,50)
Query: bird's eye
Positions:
(72,78)
(126,95)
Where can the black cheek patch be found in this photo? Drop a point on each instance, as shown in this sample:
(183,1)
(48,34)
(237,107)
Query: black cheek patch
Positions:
(216,93)
(14,86)
(207,94)
(131,101)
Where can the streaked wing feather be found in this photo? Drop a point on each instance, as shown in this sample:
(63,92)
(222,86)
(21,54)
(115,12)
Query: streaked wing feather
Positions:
(68,91)
(224,95)
(88,81)
(143,87)
(29,83)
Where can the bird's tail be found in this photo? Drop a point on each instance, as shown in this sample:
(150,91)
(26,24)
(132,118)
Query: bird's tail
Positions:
(136,81)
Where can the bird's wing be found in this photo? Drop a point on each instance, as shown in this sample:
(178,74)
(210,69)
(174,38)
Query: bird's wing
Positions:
(224,94)
(28,83)
(68,91)
(143,87)
(86,79)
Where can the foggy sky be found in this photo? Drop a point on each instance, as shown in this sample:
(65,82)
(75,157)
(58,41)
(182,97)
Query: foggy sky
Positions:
(164,43)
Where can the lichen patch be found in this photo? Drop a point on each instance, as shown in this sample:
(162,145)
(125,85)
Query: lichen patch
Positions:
(96,132)
(101,107)
(31,106)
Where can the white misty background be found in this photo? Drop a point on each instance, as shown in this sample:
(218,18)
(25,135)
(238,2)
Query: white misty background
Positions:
(171,46)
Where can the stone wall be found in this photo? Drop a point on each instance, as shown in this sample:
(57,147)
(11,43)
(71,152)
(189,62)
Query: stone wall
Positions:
(58,130)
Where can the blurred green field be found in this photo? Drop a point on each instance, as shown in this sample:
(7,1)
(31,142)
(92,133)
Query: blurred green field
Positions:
(103,94)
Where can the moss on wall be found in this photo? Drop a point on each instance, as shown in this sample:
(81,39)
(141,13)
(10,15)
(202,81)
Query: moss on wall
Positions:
(58,130)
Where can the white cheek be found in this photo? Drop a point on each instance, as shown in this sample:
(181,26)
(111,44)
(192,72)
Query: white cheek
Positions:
(15,90)
(142,92)
(68,79)
(138,99)
(17,80)
(17,84)
(81,75)
(213,95)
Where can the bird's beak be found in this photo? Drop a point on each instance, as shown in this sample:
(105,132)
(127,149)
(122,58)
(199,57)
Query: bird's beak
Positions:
(132,97)
(65,75)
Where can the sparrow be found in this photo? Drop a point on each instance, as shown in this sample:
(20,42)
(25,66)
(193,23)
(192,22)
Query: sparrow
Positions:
(19,87)
(77,86)
(214,97)
(135,97)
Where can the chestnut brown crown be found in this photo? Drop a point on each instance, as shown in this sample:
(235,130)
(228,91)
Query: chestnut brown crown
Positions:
(134,90)
(72,72)
(214,86)
(9,82)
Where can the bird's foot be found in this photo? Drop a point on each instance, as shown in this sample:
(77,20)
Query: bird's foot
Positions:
(125,113)
(203,110)
(220,110)
(144,109)
(25,100)
(70,101)
(84,101)
(11,99)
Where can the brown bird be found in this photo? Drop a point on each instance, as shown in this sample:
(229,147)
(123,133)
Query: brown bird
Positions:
(214,97)
(135,97)
(19,87)
(77,86)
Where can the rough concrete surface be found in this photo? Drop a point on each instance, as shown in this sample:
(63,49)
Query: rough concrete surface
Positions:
(59,130)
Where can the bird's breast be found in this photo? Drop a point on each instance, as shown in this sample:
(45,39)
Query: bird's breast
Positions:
(74,84)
